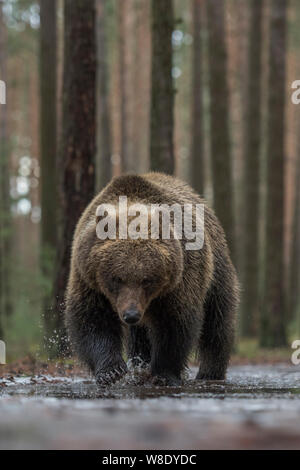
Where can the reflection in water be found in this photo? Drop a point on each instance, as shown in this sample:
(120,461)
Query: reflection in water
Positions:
(243,382)
(257,406)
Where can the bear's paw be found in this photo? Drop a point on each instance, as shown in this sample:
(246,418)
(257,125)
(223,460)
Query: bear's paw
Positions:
(166,380)
(111,374)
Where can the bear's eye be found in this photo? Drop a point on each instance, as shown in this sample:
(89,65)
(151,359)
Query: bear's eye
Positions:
(117,280)
(147,282)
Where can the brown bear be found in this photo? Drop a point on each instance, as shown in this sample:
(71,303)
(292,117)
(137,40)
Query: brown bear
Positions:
(170,300)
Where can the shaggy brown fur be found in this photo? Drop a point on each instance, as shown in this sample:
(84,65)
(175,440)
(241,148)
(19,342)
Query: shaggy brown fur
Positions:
(182,298)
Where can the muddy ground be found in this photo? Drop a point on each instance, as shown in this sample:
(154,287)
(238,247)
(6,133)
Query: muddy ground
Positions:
(257,407)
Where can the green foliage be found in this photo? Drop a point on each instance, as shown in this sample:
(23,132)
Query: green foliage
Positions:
(22,20)
(47,270)
(23,331)
(250,351)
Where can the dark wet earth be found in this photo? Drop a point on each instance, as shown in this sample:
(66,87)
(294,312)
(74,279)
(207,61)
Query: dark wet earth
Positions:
(257,407)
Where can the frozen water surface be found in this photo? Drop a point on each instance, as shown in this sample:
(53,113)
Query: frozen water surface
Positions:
(256,407)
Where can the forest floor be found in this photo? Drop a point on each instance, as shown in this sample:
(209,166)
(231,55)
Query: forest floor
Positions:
(247,352)
(48,406)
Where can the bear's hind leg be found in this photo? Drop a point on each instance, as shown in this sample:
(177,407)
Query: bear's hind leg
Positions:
(139,348)
(217,332)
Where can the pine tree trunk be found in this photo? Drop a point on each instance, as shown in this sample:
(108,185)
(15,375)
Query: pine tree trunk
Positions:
(48,150)
(141,84)
(197,151)
(251,174)
(272,332)
(162,92)
(294,179)
(219,114)
(294,285)
(126,37)
(5,218)
(104,168)
(77,153)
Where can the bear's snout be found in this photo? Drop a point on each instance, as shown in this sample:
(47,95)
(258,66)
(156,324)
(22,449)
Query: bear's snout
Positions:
(131,304)
(131,316)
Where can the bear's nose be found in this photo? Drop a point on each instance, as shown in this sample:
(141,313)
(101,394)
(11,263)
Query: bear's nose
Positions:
(131,316)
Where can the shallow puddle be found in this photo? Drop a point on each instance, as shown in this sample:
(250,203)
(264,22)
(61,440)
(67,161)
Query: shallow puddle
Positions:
(256,407)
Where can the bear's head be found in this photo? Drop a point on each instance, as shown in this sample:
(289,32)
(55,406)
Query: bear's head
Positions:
(130,272)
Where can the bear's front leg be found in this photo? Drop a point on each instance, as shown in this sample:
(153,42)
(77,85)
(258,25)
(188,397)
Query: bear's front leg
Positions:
(109,365)
(171,343)
(96,334)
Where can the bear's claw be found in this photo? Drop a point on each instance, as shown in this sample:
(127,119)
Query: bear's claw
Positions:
(210,376)
(166,380)
(111,375)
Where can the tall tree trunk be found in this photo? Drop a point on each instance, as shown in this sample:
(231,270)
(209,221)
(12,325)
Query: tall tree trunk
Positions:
(5,219)
(272,332)
(197,154)
(125,17)
(251,174)
(77,153)
(141,84)
(104,168)
(162,92)
(48,150)
(294,284)
(219,114)
(238,19)
(292,199)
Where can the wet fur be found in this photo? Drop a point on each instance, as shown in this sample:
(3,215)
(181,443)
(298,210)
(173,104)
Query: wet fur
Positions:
(195,308)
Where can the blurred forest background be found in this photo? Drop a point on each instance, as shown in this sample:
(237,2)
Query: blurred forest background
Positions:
(198,88)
